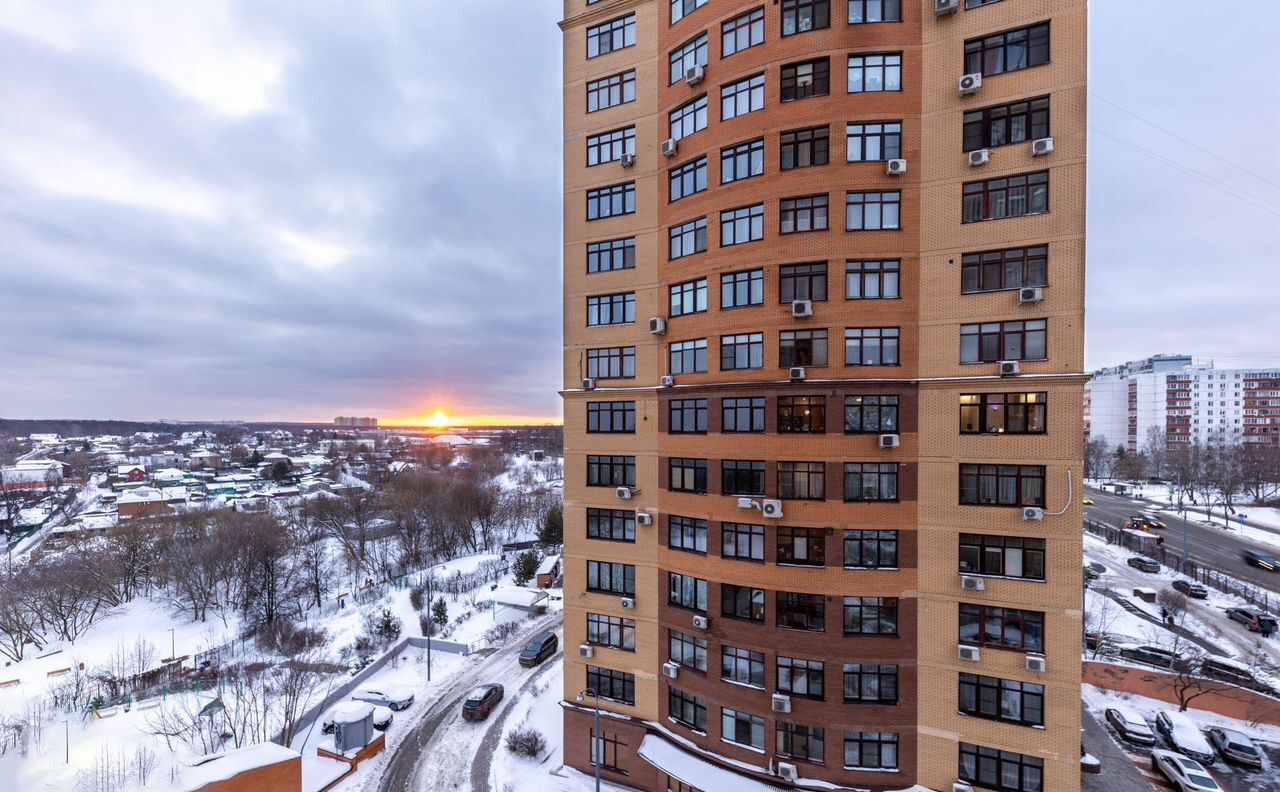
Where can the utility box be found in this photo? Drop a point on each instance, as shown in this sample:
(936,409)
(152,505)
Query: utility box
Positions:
(352,726)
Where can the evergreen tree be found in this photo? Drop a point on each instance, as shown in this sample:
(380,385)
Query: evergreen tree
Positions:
(526,567)
(440,612)
(551,532)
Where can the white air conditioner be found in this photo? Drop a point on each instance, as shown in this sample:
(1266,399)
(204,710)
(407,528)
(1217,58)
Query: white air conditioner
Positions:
(889,441)
(669,147)
(746,503)
(586,650)
(772,509)
(797,373)
(970,653)
(623,492)
(1041,146)
(896,167)
(979,157)
(588,384)
(657,325)
(1010,368)
(801,308)
(1035,664)
(781,703)
(628,603)
(668,381)
(701,622)
(693,75)
(1031,294)
(972,583)
(644,518)
(970,83)
(671,670)
(1032,513)
(944,7)
(627,159)
(787,771)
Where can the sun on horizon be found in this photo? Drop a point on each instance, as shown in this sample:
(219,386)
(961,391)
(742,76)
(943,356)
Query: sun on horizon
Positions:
(439,420)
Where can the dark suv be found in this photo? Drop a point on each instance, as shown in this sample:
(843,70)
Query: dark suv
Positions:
(1262,560)
(539,649)
(1253,620)
(481,702)
(1191,589)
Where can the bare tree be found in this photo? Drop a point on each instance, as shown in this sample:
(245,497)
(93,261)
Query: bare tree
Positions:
(1097,460)
(1260,471)
(1156,449)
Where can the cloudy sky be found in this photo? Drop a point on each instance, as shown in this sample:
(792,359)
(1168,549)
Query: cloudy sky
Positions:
(291,210)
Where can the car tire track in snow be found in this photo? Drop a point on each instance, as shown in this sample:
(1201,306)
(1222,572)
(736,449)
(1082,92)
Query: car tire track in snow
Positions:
(482,764)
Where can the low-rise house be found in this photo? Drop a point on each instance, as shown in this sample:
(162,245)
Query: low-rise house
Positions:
(141,502)
(548,572)
(133,474)
(31,474)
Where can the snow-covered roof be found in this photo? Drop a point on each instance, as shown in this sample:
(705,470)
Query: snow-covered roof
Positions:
(694,771)
(519,597)
(169,474)
(548,564)
(124,470)
(221,767)
(351,712)
(141,495)
(451,440)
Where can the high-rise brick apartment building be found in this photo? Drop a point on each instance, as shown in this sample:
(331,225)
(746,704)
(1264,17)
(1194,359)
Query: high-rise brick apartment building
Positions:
(824,301)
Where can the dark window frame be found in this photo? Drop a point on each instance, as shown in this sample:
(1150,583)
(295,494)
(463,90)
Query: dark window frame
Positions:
(742,156)
(686,592)
(876,141)
(688,297)
(687,534)
(795,610)
(687,357)
(611,359)
(603,91)
(742,666)
(815,13)
(992,554)
(805,79)
(621,470)
(988,767)
(694,52)
(885,478)
(745,603)
(791,475)
(735,537)
(1019,413)
(687,239)
(687,650)
(611,417)
(731,32)
(1006,124)
(1029,264)
(866,743)
(879,548)
(686,709)
(614,632)
(1005,197)
(619,579)
(743,283)
(749,358)
(616,34)
(611,525)
(979,480)
(802,415)
(809,348)
(1011,340)
(858,676)
(804,213)
(687,474)
(993,698)
(808,147)
(755,417)
(750,219)
(889,354)
(864,200)
(602,308)
(804,281)
(802,678)
(688,115)
(995,53)
(744,477)
(619,254)
(1007,622)
(801,546)
(748,91)
(885,66)
(683,413)
(610,146)
(880,614)
(612,685)
(689,178)
(884,6)
(882,404)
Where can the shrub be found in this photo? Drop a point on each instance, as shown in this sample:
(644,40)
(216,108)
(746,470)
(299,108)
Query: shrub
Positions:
(286,638)
(526,741)
(499,633)
(426,625)
(417,597)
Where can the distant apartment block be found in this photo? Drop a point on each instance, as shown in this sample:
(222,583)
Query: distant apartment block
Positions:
(360,423)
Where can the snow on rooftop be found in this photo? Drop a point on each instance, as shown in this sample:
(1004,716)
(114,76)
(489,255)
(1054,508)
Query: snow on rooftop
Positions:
(141,495)
(548,564)
(221,767)
(694,771)
(351,712)
(518,596)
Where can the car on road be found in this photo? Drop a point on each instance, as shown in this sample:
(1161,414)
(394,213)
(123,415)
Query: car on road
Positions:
(1185,736)
(1191,588)
(1235,746)
(1096,568)
(1262,560)
(1185,775)
(539,649)
(1142,522)
(1130,725)
(382,718)
(1086,501)
(1253,620)
(1144,564)
(1151,655)
(397,697)
(482,701)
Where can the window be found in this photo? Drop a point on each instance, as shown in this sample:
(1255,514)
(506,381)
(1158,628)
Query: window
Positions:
(609,578)
(871,750)
(743,351)
(871,549)
(613,254)
(610,91)
(803,148)
(742,415)
(613,35)
(1012,196)
(611,631)
(992,341)
(1008,556)
(871,684)
(1002,699)
(612,685)
(611,471)
(801,611)
(802,546)
(687,592)
(871,346)
(742,32)
(687,533)
(1002,485)
(1012,50)
(617,416)
(872,280)
(687,416)
(871,211)
(682,8)
(802,214)
(742,97)
(807,79)
(742,225)
(799,16)
(615,525)
(1003,413)
(742,289)
(738,540)
(687,475)
(802,414)
(742,728)
(1002,628)
(687,179)
(803,281)
(689,118)
(802,480)
(1014,268)
(870,481)
(611,363)
(870,414)
(1005,124)
(870,615)
(689,651)
(742,161)
(802,678)
(687,709)
(862,12)
(742,477)
(608,750)
(689,357)
(873,142)
(742,602)
(692,53)
(689,297)
(742,666)
(612,201)
(800,742)
(611,309)
(610,146)
(978,3)
(688,238)
(875,73)
(802,348)
(1003,770)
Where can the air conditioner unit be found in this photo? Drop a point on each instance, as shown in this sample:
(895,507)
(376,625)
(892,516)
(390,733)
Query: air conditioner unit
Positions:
(1031,294)
(970,653)
(787,771)
(889,441)
(772,509)
(586,650)
(896,167)
(693,75)
(623,492)
(644,518)
(746,503)
(801,308)
(669,147)
(668,381)
(797,373)
(671,670)
(1035,664)
(701,622)
(970,83)
(781,703)
(588,384)
(627,160)
(972,583)
(657,325)
(628,603)
(1032,513)
(979,157)
(1041,147)
(944,7)
(1010,368)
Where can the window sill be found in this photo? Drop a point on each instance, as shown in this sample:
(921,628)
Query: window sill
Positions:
(743,746)
(688,726)
(874,568)
(1002,577)
(876,703)
(800,564)
(747,685)
(856,769)
(980,716)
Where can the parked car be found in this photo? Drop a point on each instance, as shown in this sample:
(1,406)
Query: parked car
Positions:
(1235,746)
(1228,670)
(540,648)
(1151,655)
(1096,568)
(397,697)
(1110,642)
(382,718)
(1130,725)
(1262,560)
(1143,522)
(1185,736)
(1186,775)
(482,701)
(1191,589)
(1144,564)
(1253,620)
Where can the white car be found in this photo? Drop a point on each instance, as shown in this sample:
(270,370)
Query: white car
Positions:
(397,697)
(1187,775)
(1185,736)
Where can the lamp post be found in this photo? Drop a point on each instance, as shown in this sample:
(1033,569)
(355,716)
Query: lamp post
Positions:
(173,646)
(596,756)
(431,618)
(66,724)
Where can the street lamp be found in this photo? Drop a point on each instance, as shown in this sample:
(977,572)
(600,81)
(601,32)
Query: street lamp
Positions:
(596,754)
(173,646)
(67,731)
(431,621)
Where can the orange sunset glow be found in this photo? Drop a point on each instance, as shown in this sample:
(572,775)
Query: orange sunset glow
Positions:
(442,419)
